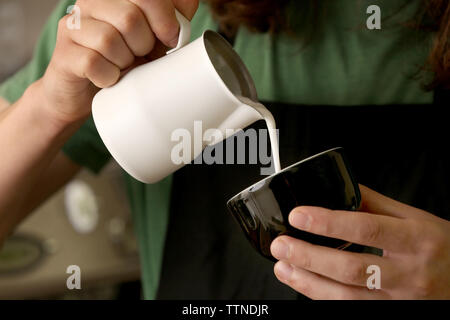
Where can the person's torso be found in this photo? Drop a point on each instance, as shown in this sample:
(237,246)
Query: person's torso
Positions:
(205,254)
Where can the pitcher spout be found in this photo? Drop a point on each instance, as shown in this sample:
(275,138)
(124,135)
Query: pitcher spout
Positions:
(241,118)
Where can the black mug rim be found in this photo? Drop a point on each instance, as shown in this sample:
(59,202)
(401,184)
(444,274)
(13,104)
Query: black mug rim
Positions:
(284,170)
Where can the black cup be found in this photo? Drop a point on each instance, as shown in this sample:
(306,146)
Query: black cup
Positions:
(323,180)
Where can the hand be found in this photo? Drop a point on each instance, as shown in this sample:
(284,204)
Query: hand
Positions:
(115,35)
(416,252)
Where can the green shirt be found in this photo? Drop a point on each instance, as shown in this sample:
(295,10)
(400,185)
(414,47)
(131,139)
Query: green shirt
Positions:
(346,64)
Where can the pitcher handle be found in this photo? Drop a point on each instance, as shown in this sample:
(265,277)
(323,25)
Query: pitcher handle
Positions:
(185,32)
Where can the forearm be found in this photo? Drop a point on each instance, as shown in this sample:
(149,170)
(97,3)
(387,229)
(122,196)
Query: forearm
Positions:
(30,138)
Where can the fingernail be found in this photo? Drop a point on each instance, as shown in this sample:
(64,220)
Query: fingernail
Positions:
(300,219)
(173,43)
(280,249)
(283,270)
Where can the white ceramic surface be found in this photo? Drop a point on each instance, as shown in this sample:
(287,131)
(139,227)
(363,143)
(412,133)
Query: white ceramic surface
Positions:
(198,81)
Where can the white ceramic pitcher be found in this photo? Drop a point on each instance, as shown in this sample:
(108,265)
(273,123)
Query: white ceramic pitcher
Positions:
(199,81)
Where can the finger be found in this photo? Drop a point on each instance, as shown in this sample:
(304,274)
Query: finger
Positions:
(86,63)
(342,266)
(377,203)
(186,7)
(128,19)
(161,16)
(388,233)
(317,287)
(104,39)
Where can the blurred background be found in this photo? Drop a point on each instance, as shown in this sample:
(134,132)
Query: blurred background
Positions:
(87,223)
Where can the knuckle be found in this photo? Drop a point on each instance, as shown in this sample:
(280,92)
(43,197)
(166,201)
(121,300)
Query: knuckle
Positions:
(354,272)
(107,39)
(435,246)
(167,30)
(303,260)
(90,61)
(323,226)
(129,20)
(431,249)
(369,231)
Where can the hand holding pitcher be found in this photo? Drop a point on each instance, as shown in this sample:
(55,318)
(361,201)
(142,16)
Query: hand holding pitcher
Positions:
(114,36)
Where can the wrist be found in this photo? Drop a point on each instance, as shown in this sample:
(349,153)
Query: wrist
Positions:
(45,113)
(46,119)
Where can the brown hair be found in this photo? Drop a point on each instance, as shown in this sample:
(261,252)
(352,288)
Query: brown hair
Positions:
(271,16)
(437,13)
